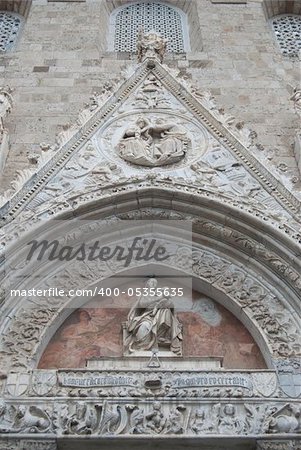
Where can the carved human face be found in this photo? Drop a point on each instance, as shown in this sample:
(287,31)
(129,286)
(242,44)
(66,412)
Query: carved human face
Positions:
(229,410)
(80,410)
(84,316)
(151,283)
(200,414)
(140,123)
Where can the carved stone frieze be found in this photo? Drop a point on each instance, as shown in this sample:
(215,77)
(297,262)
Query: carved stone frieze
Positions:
(38,445)
(71,142)
(8,444)
(27,444)
(155,417)
(23,418)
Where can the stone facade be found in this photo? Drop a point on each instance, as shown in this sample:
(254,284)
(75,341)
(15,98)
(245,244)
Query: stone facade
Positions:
(205,137)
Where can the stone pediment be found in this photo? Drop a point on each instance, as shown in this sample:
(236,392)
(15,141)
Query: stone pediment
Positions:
(152,129)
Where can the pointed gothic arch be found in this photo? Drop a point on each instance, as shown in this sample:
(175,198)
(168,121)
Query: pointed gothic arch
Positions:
(237,241)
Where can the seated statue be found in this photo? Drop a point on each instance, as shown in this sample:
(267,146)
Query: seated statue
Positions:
(152,324)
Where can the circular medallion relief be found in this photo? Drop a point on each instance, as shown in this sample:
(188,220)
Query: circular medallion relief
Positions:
(154,140)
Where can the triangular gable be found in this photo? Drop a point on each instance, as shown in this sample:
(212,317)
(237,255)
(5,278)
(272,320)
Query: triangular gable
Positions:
(176,100)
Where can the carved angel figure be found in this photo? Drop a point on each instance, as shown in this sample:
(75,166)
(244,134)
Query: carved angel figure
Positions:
(152,323)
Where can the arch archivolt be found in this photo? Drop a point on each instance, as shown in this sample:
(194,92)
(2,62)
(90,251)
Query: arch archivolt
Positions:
(231,264)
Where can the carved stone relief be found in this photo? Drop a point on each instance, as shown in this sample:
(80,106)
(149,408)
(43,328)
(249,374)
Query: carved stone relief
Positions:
(152,324)
(267,312)
(151,95)
(148,418)
(142,383)
(27,444)
(153,144)
(150,45)
(278,445)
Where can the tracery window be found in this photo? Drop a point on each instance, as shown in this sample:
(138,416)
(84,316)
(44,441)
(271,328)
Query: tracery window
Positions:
(287,29)
(169,22)
(10,24)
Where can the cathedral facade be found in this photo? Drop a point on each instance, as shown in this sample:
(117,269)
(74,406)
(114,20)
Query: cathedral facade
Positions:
(150,160)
